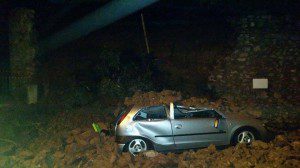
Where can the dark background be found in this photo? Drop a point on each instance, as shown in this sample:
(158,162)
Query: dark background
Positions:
(179,33)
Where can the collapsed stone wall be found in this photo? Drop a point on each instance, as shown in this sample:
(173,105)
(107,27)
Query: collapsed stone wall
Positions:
(266,48)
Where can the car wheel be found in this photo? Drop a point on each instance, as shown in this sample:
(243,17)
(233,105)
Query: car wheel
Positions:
(136,146)
(244,137)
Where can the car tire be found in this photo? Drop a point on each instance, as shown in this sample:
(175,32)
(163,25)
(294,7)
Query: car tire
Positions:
(245,136)
(138,145)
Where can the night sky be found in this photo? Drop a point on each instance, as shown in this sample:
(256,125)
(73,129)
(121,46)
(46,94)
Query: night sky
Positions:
(54,15)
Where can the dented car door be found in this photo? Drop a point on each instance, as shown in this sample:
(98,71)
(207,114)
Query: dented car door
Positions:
(156,128)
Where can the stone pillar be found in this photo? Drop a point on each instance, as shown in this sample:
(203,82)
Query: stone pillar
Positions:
(23,51)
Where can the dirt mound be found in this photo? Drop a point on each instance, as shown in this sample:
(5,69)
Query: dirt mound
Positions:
(153,98)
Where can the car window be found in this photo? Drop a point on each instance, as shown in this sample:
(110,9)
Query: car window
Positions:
(153,112)
(205,114)
(180,113)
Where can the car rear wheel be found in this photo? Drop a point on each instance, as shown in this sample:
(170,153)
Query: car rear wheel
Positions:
(244,137)
(136,146)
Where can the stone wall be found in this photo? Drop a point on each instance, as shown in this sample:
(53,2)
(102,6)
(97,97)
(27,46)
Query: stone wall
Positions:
(266,48)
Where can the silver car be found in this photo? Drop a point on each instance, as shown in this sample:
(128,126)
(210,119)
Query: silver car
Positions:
(173,127)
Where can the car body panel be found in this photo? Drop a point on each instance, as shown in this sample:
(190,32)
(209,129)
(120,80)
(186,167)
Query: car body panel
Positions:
(156,131)
(165,135)
(194,133)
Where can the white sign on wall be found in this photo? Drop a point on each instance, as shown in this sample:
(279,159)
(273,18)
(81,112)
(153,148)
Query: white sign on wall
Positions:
(260,83)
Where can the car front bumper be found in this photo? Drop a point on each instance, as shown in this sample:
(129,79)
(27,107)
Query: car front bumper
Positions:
(121,147)
(121,141)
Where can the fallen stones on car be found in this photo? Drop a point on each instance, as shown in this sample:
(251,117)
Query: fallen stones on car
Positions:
(153,98)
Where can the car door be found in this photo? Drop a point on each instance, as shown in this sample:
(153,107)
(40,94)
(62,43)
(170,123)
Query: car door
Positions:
(198,131)
(153,123)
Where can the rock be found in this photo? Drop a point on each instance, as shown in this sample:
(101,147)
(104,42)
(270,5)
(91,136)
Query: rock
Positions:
(296,146)
(76,131)
(58,154)
(281,140)
(81,142)
(113,158)
(94,141)
(150,153)
(71,148)
(70,139)
(87,134)
(259,145)
(153,98)
(195,102)
(25,154)
(211,148)
(255,113)
(102,125)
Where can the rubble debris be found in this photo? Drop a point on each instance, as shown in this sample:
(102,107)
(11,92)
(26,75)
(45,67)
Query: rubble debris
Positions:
(84,151)
(153,98)
(80,146)
(195,102)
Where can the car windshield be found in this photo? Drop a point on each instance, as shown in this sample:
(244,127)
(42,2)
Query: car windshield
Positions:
(152,112)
